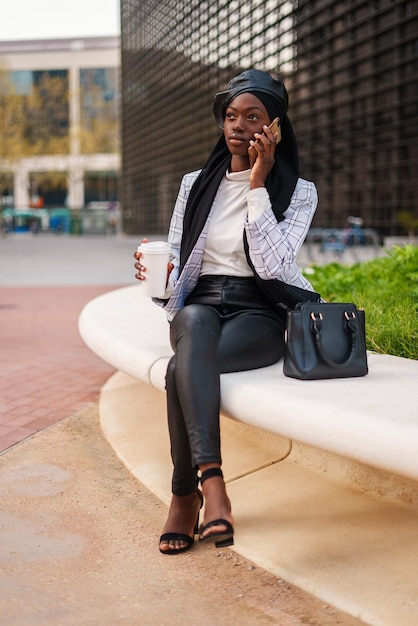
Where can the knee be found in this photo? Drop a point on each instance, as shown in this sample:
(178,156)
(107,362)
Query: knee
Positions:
(195,319)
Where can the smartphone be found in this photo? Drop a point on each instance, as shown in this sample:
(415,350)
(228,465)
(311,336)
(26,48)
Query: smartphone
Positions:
(275,127)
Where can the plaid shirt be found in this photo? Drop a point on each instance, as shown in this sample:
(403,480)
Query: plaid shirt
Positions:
(273,245)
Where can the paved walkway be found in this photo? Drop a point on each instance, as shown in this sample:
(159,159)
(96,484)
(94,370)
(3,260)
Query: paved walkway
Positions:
(77,531)
(46,370)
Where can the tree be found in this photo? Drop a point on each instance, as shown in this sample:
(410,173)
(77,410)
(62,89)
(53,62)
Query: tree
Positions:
(35,120)
(45,129)
(99,128)
(11,119)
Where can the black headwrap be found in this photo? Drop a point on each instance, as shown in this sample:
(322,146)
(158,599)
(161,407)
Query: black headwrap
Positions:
(282,179)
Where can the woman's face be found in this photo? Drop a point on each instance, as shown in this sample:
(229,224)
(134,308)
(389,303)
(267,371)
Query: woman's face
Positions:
(245,115)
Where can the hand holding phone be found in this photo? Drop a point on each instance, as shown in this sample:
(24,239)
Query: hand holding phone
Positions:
(275,128)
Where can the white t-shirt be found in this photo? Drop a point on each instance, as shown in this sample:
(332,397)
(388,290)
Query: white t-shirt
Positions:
(224,250)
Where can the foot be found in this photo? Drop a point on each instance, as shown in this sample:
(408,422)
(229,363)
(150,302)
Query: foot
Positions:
(178,532)
(217,508)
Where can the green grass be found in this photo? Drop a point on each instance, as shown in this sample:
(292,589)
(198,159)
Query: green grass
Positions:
(387,289)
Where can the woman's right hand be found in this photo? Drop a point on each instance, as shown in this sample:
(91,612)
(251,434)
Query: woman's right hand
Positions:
(141,268)
(262,156)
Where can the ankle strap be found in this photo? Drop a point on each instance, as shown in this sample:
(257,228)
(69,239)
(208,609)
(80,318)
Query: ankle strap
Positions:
(210,473)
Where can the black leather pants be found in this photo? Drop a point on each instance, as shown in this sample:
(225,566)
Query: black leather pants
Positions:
(227,325)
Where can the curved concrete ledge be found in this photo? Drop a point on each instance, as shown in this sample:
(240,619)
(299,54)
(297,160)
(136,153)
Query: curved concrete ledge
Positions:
(312,518)
(342,530)
(373,420)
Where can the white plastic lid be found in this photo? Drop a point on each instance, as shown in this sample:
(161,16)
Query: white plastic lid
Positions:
(154,247)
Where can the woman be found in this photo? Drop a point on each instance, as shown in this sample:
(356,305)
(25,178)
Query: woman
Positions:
(235,232)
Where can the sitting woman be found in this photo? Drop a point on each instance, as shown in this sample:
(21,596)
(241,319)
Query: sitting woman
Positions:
(236,230)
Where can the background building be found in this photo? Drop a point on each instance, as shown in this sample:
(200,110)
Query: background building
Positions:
(59,131)
(351,70)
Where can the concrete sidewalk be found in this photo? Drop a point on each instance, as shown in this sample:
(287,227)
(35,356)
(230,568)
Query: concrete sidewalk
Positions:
(78,533)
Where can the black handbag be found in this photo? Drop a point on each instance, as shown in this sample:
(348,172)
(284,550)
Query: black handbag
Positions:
(325,340)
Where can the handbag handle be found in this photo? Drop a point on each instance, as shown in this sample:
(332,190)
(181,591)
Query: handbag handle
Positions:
(351,327)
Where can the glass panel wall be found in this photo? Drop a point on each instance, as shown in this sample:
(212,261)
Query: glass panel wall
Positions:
(349,68)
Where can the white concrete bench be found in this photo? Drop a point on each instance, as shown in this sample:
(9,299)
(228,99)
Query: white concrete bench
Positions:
(322,474)
(373,420)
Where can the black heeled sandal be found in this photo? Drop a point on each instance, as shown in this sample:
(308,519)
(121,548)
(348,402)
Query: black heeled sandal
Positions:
(182,536)
(221,538)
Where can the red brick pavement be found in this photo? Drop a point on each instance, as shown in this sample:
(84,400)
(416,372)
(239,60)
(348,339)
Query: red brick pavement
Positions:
(46,371)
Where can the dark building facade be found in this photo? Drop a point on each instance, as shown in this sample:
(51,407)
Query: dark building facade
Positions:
(351,69)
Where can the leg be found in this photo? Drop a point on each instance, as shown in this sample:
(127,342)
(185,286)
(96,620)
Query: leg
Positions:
(204,348)
(249,340)
(184,480)
(194,334)
(178,532)
(194,329)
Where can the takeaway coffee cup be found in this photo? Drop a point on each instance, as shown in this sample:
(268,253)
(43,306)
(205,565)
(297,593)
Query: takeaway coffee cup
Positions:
(155,257)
